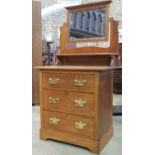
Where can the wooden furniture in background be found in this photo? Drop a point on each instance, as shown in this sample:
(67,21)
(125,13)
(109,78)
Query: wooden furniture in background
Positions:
(36,48)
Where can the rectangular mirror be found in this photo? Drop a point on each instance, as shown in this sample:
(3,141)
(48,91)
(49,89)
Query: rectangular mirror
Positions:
(87,24)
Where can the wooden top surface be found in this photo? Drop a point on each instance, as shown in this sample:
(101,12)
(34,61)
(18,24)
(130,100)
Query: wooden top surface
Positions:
(88,54)
(88,4)
(77,68)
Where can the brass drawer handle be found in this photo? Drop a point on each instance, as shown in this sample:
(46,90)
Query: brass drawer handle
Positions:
(54,120)
(53,81)
(53,100)
(79,83)
(80,125)
(80,103)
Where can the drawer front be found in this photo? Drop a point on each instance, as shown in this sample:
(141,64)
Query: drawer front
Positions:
(69,81)
(73,124)
(71,102)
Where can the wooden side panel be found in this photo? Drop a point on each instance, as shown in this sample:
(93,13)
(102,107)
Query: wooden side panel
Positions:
(36,48)
(105,102)
(63,38)
(114,46)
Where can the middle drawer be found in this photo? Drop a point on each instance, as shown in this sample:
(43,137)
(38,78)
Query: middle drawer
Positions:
(70,102)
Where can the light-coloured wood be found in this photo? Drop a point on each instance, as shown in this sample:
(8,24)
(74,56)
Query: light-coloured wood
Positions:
(91,144)
(91,64)
(113,48)
(97,115)
(66,102)
(76,68)
(63,38)
(87,51)
(68,81)
(86,142)
(67,123)
(85,56)
(88,6)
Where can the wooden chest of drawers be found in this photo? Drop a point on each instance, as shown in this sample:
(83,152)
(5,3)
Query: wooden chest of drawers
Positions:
(76,105)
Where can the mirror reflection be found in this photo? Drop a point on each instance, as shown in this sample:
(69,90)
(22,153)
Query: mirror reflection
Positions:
(87,24)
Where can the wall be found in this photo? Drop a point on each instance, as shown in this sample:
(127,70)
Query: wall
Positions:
(46,3)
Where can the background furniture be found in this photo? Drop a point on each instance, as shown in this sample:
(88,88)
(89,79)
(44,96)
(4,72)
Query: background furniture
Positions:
(36,48)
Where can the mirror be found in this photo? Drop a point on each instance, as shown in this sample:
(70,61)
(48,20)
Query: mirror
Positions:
(87,24)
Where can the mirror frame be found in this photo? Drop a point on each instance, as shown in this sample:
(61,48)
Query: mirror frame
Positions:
(89,6)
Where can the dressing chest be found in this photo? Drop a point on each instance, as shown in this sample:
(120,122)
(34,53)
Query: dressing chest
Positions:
(76,93)
(76,105)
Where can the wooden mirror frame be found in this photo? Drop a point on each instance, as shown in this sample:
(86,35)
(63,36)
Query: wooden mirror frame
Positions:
(112,49)
(90,6)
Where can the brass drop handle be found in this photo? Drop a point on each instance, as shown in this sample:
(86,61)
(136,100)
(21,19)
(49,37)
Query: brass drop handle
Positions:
(80,103)
(79,83)
(53,81)
(80,125)
(53,100)
(54,120)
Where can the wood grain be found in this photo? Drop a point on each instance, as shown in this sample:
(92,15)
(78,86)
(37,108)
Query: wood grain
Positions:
(82,69)
(67,123)
(67,81)
(87,63)
(97,114)
(66,102)
(91,144)
(91,60)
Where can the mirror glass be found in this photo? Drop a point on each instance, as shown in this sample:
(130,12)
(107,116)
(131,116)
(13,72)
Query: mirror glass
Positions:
(87,24)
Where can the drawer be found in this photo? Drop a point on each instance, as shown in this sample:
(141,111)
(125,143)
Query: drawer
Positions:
(69,81)
(70,102)
(73,124)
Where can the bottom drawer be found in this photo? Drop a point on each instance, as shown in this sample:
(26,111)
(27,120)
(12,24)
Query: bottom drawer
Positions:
(73,124)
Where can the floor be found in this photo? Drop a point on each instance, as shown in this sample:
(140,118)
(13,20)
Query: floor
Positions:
(50,147)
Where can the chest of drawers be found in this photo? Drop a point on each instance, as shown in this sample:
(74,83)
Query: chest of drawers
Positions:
(76,105)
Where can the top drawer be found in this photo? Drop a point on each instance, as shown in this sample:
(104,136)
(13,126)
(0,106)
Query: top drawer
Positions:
(69,81)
